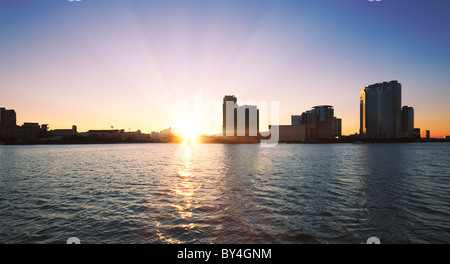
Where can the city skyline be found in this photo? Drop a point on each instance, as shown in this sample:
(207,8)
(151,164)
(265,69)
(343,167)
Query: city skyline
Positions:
(125,64)
(381,118)
(401,126)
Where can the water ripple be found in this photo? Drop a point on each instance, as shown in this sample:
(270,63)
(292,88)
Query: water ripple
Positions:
(174,193)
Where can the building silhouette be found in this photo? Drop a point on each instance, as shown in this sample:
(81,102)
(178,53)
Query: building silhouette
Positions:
(33,133)
(64,132)
(426,134)
(319,123)
(7,118)
(162,136)
(30,131)
(239,121)
(407,122)
(380,110)
(417,133)
(337,127)
(8,126)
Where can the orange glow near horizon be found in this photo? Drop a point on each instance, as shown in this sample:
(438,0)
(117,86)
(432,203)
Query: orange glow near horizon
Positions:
(188,128)
(188,133)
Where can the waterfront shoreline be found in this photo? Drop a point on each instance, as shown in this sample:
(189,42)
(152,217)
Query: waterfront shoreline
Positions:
(214,140)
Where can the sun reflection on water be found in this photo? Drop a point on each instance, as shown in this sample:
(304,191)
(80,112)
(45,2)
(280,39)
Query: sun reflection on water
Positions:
(186,188)
(183,193)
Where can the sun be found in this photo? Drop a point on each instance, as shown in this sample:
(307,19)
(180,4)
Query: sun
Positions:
(189,133)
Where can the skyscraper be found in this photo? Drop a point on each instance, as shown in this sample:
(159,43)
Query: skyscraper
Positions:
(241,121)
(407,121)
(7,118)
(426,134)
(229,108)
(380,110)
(247,121)
(8,126)
(337,127)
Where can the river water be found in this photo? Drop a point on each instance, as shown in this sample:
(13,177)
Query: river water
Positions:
(218,193)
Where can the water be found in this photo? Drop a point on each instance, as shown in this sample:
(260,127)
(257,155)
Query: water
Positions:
(214,193)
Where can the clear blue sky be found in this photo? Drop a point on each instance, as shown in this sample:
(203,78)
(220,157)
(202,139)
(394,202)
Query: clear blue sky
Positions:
(98,63)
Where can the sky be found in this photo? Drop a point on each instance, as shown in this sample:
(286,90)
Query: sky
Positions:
(152,64)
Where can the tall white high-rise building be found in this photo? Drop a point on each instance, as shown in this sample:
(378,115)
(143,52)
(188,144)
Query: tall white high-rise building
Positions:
(240,121)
